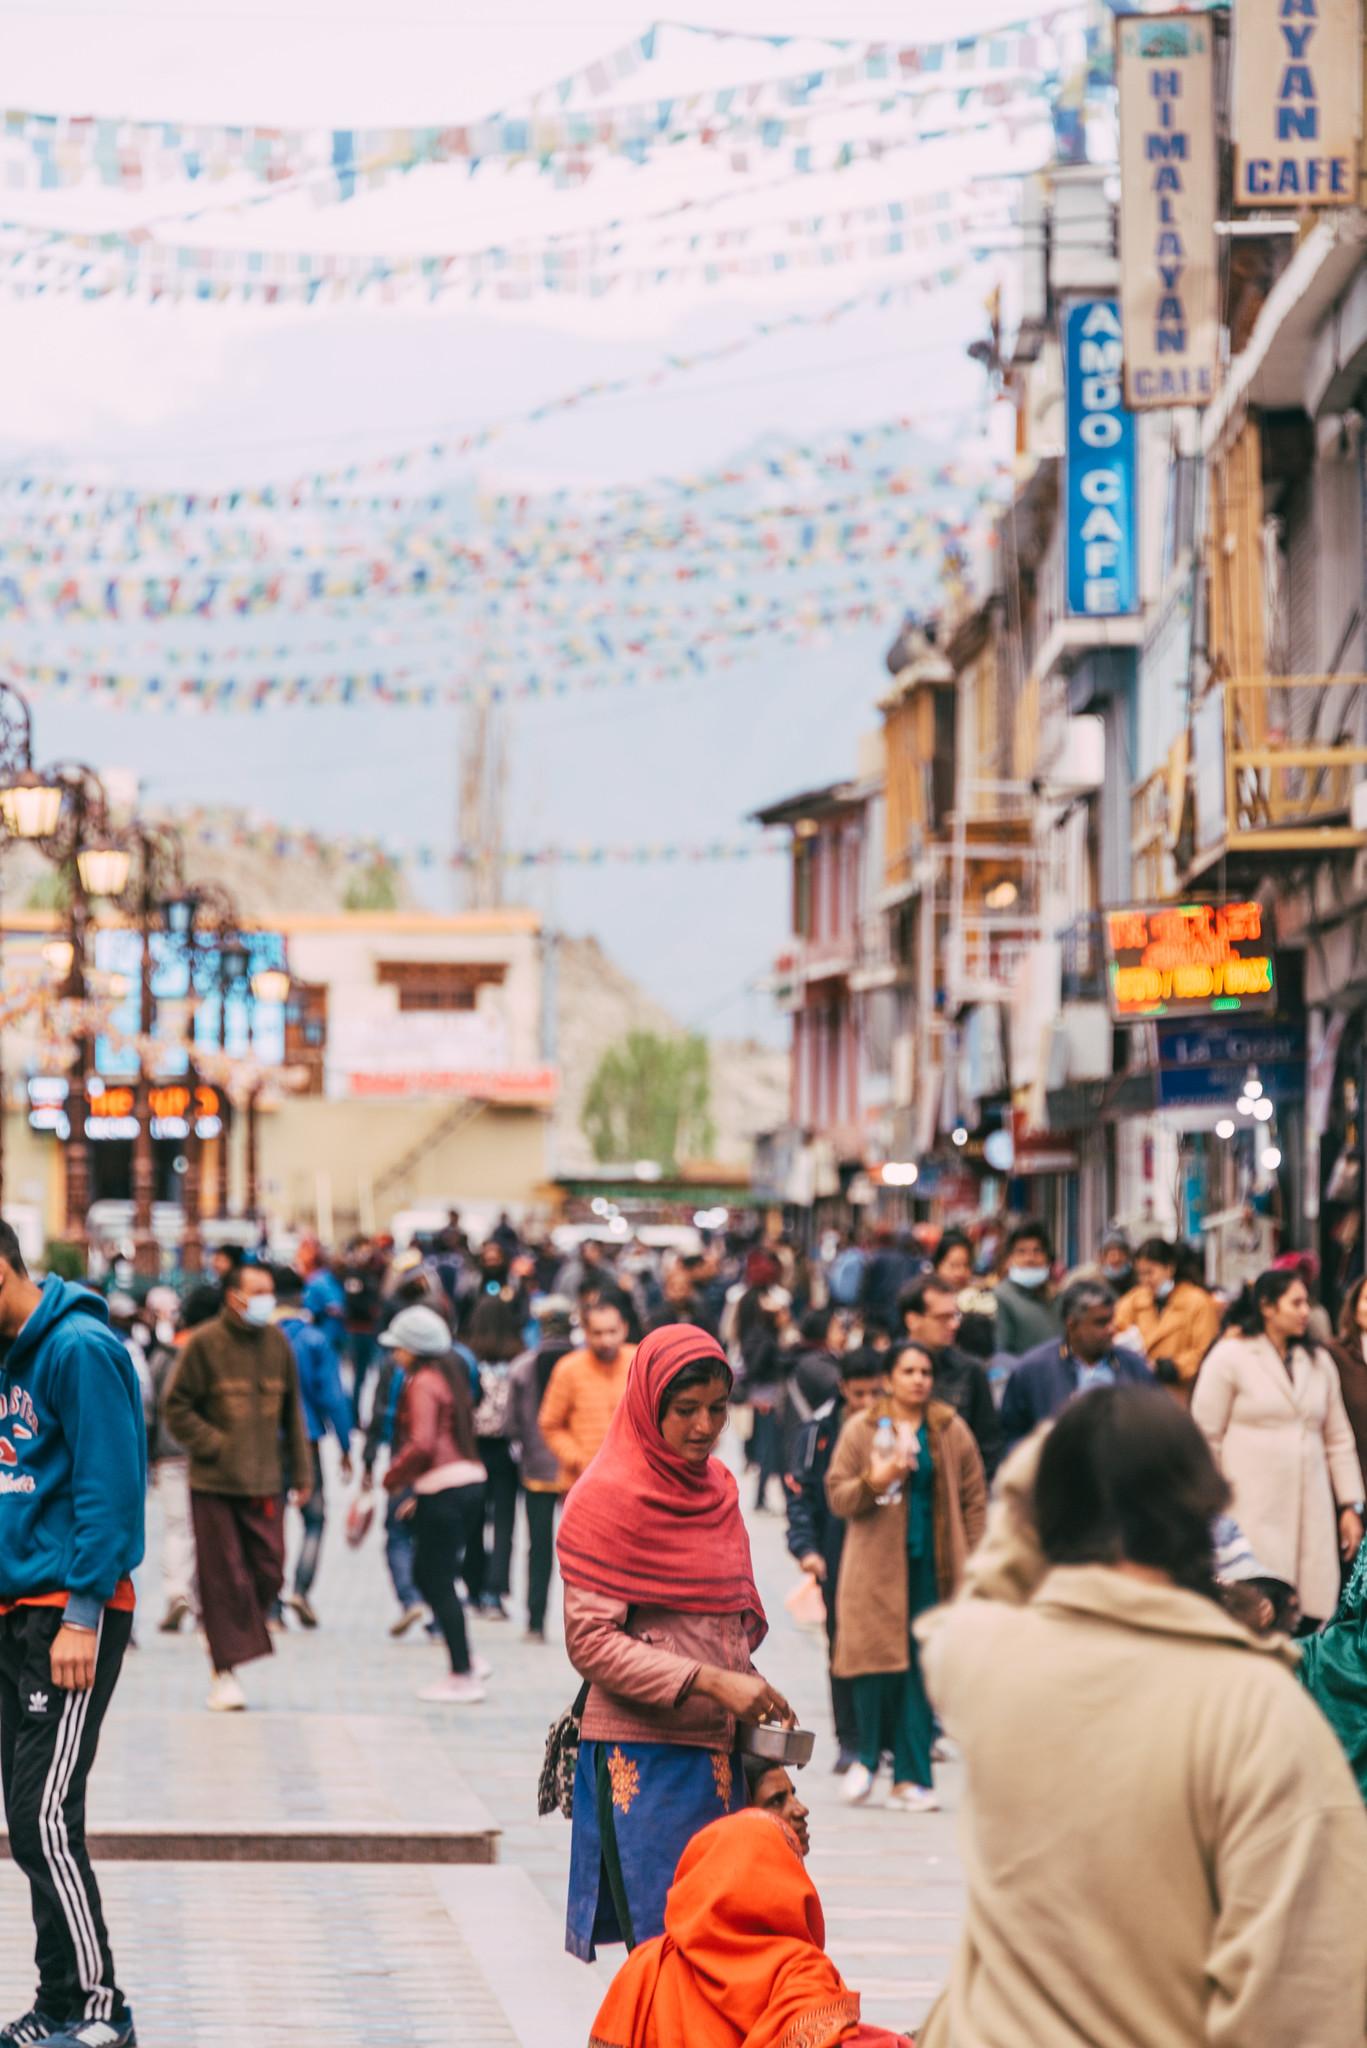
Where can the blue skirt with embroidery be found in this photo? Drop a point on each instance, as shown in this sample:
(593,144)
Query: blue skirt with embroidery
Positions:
(637,1806)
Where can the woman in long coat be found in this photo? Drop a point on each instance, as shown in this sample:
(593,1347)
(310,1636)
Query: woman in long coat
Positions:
(1270,1406)
(907,1479)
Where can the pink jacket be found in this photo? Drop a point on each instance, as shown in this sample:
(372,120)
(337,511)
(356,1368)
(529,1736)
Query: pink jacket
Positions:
(642,1662)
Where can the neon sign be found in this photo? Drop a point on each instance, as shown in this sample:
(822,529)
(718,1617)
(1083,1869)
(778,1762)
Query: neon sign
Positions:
(1189,960)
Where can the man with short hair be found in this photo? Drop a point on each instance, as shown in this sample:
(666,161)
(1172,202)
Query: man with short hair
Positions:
(585,1389)
(816,1537)
(234,1403)
(1086,1356)
(72,1487)
(930,1316)
(1027,1314)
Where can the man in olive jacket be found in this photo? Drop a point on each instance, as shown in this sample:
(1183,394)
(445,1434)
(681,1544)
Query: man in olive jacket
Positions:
(233,1403)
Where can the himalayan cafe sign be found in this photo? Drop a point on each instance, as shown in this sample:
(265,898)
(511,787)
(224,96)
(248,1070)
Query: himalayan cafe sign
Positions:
(1169,306)
(1297,102)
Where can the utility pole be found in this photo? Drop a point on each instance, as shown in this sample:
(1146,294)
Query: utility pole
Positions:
(483,779)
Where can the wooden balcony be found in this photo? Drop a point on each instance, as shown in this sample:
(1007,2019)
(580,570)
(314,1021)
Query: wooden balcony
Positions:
(1293,747)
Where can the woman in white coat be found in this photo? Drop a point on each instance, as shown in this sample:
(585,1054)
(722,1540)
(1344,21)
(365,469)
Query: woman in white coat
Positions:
(1269,1404)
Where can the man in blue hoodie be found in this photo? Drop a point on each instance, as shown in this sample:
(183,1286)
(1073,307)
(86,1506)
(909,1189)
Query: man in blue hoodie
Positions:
(326,1406)
(73,1476)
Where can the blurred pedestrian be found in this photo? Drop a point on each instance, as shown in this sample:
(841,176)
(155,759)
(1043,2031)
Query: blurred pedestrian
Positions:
(1349,1353)
(816,1537)
(234,1403)
(770,1352)
(494,1335)
(585,1390)
(539,1470)
(1168,1308)
(661,1618)
(1270,1405)
(931,1317)
(436,1464)
(1172,1759)
(426,1333)
(167,1463)
(890,1264)
(1027,1314)
(71,1536)
(907,1479)
(326,1407)
(1085,1356)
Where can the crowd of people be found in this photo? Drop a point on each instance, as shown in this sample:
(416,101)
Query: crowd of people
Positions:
(1111,1483)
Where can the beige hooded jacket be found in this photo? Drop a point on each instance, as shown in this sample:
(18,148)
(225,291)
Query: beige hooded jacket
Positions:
(1163,1843)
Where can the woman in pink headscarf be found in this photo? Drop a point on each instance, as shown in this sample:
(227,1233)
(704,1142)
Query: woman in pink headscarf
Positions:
(661,1617)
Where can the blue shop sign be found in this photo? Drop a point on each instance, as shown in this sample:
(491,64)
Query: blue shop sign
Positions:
(1099,469)
(1203,1065)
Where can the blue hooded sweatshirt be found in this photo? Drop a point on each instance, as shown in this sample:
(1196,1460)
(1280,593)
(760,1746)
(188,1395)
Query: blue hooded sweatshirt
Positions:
(73,1456)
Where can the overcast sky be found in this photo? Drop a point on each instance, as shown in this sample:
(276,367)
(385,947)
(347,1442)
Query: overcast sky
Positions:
(186,394)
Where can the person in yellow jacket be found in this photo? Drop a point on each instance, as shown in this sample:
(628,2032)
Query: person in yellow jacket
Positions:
(1168,1308)
(1163,1841)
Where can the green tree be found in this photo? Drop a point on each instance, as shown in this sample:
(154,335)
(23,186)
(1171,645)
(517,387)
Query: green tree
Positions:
(374,888)
(650,1098)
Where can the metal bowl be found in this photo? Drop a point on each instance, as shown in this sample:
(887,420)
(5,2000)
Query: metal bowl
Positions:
(776,1745)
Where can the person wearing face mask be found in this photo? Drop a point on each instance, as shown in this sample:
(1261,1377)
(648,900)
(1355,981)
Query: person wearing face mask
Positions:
(1027,1314)
(1168,1309)
(234,1403)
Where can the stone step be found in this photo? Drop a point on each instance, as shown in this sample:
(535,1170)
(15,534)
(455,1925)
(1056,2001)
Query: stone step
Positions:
(282,1788)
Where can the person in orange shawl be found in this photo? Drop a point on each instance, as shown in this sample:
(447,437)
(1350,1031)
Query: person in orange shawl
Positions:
(742,1962)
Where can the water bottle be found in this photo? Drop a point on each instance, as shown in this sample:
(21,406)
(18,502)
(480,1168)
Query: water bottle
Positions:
(885,1446)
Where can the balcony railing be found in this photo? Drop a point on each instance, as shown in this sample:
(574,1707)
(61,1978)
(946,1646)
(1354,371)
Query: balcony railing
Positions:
(1293,750)
(1149,858)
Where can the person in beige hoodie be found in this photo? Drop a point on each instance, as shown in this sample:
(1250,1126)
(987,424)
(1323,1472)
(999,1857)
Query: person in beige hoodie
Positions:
(1163,1844)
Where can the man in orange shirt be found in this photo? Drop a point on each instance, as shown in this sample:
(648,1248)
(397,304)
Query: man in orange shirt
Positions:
(586,1387)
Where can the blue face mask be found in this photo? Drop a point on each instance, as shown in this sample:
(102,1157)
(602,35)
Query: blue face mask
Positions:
(258,1310)
(1027,1276)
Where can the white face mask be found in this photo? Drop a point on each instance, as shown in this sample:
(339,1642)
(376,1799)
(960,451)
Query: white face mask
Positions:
(1027,1276)
(258,1310)
(1163,1289)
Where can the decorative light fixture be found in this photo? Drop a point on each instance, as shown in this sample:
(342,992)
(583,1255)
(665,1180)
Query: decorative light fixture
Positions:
(271,985)
(30,806)
(1225,1127)
(1263,1110)
(1003,895)
(959,1135)
(1253,1087)
(1245,1105)
(899,1173)
(104,869)
(1271,1159)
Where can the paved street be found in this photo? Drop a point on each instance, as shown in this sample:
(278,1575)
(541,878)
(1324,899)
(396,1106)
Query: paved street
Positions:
(218,1955)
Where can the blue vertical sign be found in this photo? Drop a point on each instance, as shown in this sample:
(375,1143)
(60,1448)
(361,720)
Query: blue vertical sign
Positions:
(1099,469)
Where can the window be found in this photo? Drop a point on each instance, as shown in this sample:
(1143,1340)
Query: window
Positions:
(439,984)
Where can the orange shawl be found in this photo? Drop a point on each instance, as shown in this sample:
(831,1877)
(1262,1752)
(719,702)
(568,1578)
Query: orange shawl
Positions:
(742,1961)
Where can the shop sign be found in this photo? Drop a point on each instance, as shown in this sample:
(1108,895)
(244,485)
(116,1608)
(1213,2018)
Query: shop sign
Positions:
(1169,301)
(1297,102)
(530,1087)
(112,1110)
(1188,960)
(1207,1064)
(1099,467)
(1040,1150)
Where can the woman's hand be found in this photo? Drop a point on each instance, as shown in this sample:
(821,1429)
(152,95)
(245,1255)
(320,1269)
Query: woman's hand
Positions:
(745,1695)
(1350,1533)
(814,1564)
(885,1470)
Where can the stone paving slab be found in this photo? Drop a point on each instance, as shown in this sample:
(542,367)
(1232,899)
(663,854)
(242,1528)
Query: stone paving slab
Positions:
(282,1787)
(388,1959)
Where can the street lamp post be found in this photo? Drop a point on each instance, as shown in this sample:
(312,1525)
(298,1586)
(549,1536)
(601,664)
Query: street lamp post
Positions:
(95,864)
(159,880)
(29,806)
(206,910)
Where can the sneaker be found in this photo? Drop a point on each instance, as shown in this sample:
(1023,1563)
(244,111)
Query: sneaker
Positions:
(858,1784)
(275,1625)
(169,1625)
(299,1605)
(225,1694)
(845,1761)
(480,1667)
(406,1620)
(535,1635)
(944,1751)
(457,1690)
(96,2033)
(34,2026)
(491,1607)
(914,1799)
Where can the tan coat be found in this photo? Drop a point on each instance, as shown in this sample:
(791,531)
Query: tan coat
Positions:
(872,1618)
(1163,1845)
(1182,1328)
(1284,1443)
